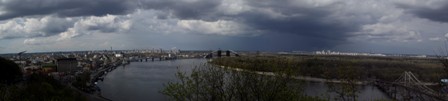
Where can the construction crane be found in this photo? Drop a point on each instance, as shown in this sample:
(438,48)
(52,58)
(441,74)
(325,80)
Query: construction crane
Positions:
(20,54)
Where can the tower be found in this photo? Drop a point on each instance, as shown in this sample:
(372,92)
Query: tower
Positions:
(219,53)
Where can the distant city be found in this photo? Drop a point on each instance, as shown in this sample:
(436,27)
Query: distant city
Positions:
(62,62)
(329,52)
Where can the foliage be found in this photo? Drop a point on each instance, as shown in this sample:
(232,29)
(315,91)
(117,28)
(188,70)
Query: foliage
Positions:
(209,83)
(384,68)
(39,88)
(349,70)
(9,71)
(348,90)
(444,61)
(82,80)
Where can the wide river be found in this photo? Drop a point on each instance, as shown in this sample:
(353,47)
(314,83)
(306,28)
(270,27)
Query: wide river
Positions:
(142,81)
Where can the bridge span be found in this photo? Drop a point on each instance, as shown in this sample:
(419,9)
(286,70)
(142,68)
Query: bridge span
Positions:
(409,88)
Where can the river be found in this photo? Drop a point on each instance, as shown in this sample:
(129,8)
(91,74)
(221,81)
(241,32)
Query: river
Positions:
(142,81)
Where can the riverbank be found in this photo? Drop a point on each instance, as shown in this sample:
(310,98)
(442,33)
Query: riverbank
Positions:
(142,81)
(313,79)
(304,78)
(299,77)
(85,82)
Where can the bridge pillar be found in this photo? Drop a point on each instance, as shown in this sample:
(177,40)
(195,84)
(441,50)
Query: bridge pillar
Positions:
(407,87)
(219,53)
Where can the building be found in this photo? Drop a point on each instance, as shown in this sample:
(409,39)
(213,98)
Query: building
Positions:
(119,55)
(48,68)
(67,64)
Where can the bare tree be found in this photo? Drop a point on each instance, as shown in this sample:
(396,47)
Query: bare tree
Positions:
(209,83)
(347,90)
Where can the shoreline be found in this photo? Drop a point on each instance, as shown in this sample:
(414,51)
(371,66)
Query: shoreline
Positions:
(304,78)
(307,78)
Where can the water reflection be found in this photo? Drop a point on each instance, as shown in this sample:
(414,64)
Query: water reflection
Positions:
(141,81)
(366,92)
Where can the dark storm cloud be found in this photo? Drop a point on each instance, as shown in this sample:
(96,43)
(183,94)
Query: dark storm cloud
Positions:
(64,8)
(314,24)
(439,14)
(201,9)
(73,8)
(310,23)
(304,21)
(56,26)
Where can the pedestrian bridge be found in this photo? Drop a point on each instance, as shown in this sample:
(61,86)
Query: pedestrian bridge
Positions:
(409,88)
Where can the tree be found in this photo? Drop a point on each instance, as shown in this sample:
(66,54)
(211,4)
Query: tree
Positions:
(209,83)
(442,55)
(348,89)
(10,72)
(39,88)
(82,80)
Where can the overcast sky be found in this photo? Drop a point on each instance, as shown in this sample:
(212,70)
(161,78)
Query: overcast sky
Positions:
(380,26)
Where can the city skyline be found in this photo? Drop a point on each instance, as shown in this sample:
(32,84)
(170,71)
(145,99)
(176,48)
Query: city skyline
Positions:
(378,26)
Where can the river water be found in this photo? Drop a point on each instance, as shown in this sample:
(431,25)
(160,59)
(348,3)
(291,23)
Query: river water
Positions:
(142,81)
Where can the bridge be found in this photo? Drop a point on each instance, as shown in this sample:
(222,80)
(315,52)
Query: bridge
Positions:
(409,88)
(154,58)
(219,53)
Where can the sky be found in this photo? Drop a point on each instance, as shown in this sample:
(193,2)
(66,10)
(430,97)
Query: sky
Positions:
(376,26)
